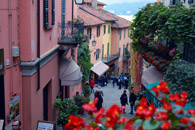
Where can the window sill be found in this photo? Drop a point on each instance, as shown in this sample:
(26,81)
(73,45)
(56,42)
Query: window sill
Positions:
(49,27)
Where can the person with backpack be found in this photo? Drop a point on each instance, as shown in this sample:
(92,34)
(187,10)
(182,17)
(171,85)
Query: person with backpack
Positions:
(124,101)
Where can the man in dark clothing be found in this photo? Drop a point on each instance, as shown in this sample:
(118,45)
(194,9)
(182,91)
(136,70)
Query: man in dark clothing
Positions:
(124,101)
(119,83)
(132,99)
(100,100)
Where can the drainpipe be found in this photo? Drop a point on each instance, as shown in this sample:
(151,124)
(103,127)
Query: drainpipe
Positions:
(10,46)
(38,44)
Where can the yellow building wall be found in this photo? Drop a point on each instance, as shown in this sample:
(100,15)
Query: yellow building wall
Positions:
(107,39)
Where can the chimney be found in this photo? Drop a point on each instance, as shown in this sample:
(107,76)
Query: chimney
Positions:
(94,4)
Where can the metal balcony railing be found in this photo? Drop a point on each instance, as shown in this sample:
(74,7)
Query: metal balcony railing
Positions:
(110,58)
(70,32)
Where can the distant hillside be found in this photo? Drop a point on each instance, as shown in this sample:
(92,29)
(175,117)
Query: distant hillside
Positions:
(126,8)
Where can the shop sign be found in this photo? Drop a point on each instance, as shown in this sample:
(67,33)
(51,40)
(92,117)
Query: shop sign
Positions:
(14,108)
(1,61)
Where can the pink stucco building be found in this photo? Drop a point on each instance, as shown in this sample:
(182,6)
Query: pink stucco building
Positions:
(36,48)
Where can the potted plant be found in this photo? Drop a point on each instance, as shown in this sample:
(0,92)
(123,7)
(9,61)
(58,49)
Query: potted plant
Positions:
(86,91)
(80,100)
(65,107)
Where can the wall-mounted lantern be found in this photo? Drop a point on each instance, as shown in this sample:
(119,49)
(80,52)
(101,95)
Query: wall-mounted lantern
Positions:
(79,2)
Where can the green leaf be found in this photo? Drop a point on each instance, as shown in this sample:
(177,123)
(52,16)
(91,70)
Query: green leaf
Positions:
(150,124)
(192,119)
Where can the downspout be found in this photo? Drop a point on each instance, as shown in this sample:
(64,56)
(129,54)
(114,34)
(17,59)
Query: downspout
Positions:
(38,45)
(10,46)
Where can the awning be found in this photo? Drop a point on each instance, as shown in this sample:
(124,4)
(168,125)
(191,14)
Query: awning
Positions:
(100,68)
(70,74)
(151,75)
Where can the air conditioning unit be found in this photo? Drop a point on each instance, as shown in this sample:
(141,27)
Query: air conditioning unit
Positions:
(15,51)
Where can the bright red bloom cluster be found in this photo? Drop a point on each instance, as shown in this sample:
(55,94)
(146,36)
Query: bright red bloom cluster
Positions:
(74,123)
(179,99)
(145,111)
(162,87)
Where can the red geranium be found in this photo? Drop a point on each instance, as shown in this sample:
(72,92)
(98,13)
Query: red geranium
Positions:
(74,123)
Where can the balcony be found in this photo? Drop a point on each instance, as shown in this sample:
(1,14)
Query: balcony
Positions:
(71,33)
(108,60)
(126,56)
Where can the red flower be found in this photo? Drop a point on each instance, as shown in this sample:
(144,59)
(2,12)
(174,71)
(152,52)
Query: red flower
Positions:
(156,91)
(129,125)
(180,111)
(99,115)
(161,116)
(90,108)
(91,128)
(113,115)
(74,123)
(184,120)
(179,99)
(148,4)
(122,120)
(166,105)
(166,125)
(191,111)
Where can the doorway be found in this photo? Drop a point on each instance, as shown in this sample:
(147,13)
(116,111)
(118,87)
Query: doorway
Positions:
(2,98)
(45,103)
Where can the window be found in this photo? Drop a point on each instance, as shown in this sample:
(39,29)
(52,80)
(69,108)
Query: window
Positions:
(119,51)
(102,51)
(63,17)
(124,33)
(174,2)
(120,35)
(49,13)
(98,31)
(191,1)
(108,28)
(89,33)
(97,54)
(123,50)
(108,48)
(104,29)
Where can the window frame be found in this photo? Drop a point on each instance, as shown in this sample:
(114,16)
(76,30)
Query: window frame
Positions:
(108,29)
(98,30)
(47,13)
(104,29)
(89,32)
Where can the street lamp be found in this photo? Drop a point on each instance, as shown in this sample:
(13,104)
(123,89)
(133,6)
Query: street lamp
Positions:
(79,2)
(94,41)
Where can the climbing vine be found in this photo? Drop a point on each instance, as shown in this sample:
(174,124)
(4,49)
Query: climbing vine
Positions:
(84,60)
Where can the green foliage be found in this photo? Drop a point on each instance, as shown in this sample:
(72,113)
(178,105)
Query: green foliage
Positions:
(154,24)
(65,107)
(80,100)
(86,90)
(180,76)
(84,61)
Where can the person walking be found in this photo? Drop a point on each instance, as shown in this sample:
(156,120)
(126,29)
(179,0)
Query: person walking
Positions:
(91,84)
(119,83)
(132,99)
(100,100)
(124,101)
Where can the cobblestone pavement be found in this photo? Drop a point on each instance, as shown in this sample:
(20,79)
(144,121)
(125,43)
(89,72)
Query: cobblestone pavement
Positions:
(111,97)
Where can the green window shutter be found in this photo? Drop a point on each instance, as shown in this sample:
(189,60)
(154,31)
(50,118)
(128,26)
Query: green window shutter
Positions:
(53,12)
(108,28)
(108,48)
(46,16)
(63,17)
(119,51)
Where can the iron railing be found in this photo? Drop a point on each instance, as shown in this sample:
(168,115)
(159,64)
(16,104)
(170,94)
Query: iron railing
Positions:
(110,58)
(70,32)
